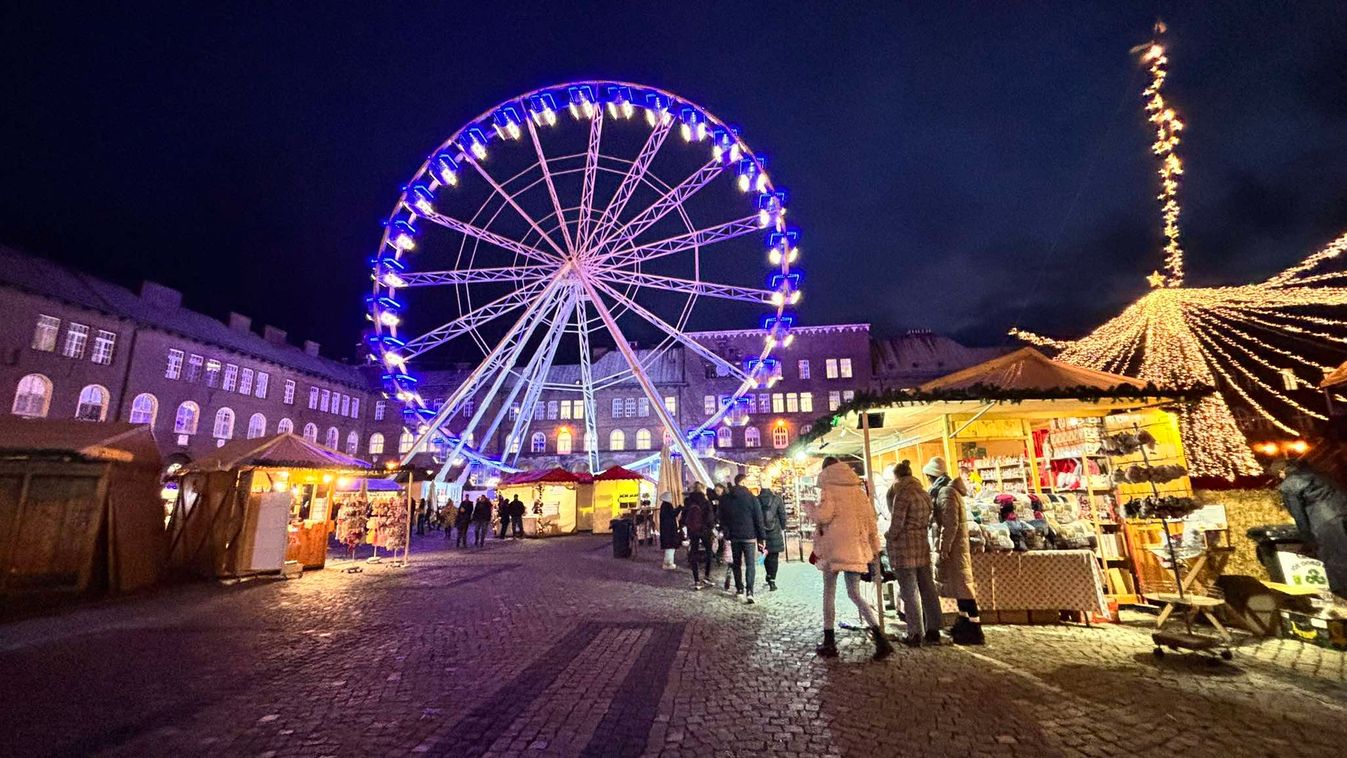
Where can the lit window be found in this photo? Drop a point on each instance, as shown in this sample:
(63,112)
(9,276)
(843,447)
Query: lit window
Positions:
(93,404)
(224,424)
(194,364)
(564,442)
(246,382)
(792,402)
(352,443)
(32,398)
(44,336)
(313,398)
(565,409)
(144,408)
(257,426)
(848,395)
(643,407)
(539,411)
(617,440)
(588,440)
(751,402)
(724,437)
(617,407)
(804,368)
(346,405)
(212,373)
(174,368)
(285,426)
(834,400)
(579,411)
(104,342)
(671,404)
(806,402)
(764,402)
(185,420)
(752,438)
(538,443)
(288,395)
(333,438)
(355,407)
(514,411)
(830,368)
(311,432)
(709,404)
(76,337)
(263,379)
(845,367)
(325,401)
(405,442)
(231,377)
(629,407)
(376,444)
(780,438)
(552,409)
(380,407)
(778,402)
(642,439)
(469,406)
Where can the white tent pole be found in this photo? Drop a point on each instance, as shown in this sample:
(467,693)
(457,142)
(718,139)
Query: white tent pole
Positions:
(877,575)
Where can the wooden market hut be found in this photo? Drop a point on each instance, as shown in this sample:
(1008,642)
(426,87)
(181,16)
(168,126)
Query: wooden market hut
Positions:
(616,490)
(79,507)
(562,493)
(256,504)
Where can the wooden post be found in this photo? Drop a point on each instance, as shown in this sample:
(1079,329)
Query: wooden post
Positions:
(407,546)
(877,575)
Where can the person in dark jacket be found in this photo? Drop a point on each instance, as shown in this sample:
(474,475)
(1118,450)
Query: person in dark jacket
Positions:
(669,536)
(503,517)
(1319,506)
(481,520)
(517,517)
(461,521)
(741,523)
(422,514)
(774,521)
(699,521)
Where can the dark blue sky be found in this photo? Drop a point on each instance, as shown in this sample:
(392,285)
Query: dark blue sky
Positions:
(959,167)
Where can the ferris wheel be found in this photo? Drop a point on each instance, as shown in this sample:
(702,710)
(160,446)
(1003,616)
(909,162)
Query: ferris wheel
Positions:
(553,234)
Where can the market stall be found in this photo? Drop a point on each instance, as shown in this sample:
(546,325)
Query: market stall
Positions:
(1038,443)
(257,505)
(79,507)
(370,512)
(552,499)
(617,492)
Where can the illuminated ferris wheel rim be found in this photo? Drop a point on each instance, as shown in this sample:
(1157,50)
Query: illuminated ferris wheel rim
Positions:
(603,254)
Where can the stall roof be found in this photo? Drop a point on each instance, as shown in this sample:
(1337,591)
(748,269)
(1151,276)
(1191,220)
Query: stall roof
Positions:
(556,475)
(1027,370)
(1336,377)
(65,438)
(277,451)
(617,473)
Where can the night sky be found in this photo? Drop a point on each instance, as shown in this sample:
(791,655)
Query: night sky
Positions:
(958,167)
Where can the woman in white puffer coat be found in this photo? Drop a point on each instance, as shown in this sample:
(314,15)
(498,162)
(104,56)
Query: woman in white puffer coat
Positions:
(846,541)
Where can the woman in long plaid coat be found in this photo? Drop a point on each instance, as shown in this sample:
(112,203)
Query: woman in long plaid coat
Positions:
(910,556)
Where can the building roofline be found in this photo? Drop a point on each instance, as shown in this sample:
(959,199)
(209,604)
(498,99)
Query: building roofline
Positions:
(813,329)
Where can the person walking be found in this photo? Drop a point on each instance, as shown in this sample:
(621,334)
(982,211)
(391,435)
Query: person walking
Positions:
(502,510)
(1319,506)
(741,522)
(846,542)
(669,536)
(481,520)
(699,521)
(461,521)
(774,521)
(954,560)
(909,546)
(517,517)
(422,517)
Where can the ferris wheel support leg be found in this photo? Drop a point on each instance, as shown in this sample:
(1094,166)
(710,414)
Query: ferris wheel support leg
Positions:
(647,386)
(591,438)
(546,353)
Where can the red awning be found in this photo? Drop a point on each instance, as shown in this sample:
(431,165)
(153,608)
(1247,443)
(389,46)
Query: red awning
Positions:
(550,476)
(617,473)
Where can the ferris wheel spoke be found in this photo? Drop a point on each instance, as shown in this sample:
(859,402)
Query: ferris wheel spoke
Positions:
(509,199)
(688,286)
(591,438)
(647,386)
(587,187)
(668,202)
(540,365)
(526,295)
(551,187)
(491,238)
(669,329)
(632,179)
(495,275)
(680,243)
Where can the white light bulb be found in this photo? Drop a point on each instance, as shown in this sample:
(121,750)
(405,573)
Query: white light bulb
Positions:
(744,183)
(513,129)
(794,255)
(735,152)
(778,299)
(761,184)
(774,256)
(588,109)
(423,205)
(789,339)
(550,116)
(388,318)
(686,131)
(627,109)
(449,178)
(479,150)
(403,242)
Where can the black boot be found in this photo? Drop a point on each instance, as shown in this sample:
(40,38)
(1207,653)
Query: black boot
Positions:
(967,632)
(829,647)
(883,648)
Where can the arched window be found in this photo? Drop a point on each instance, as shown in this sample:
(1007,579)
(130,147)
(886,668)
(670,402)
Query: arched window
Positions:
(724,437)
(333,438)
(642,439)
(352,443)
(285,426)
(376,444)
(144,409)
(617,440)
(32,398)
(311,432)
(752,437)
(780,438)
(185,420)
(224,424)
(93,405)
(538,444)
(588,440)
(564,442)
(257,426)
(405,441)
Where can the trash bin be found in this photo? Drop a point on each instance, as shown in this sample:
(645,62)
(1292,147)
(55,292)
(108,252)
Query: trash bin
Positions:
(622,537)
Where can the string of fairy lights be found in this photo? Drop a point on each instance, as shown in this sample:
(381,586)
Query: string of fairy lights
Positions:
(1236,338)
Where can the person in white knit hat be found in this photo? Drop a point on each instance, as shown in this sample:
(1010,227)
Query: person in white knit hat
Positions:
(954,563)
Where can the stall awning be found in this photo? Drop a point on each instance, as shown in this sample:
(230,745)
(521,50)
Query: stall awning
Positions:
(1335,378)
(276,451)
(1026,370)
(70,438)
(556,475)
(617,473)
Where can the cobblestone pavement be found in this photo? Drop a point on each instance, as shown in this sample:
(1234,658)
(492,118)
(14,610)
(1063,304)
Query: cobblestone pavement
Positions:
(555,648)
